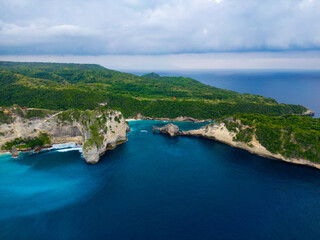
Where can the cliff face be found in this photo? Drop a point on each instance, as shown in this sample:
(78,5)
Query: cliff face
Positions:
(219,132)
(101,132)
(96,130)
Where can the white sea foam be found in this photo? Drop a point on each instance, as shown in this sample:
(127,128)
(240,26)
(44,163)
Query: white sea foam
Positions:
(63,146)
(145,131)
(4,154)
(66,147)
(70,149)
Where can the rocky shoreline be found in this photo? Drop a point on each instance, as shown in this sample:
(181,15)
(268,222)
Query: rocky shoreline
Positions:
(96,131)
(309,112)
(177,119)
(219,132)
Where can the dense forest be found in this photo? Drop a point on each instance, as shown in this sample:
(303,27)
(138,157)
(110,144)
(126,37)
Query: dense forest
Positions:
(58,86)
(292,136)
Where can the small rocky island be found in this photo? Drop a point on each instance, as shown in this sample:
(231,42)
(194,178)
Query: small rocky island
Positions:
(262,135)
(170,129)
(34,129)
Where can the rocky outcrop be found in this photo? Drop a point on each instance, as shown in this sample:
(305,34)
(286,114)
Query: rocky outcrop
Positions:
(14,152)
(101,135)
(170,129)
(308,113)
(219,132)
(96,130)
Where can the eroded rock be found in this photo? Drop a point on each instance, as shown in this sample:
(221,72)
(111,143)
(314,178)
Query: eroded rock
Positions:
(171,129)
(14,152)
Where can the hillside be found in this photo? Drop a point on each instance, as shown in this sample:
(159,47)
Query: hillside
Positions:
(58,86)
(290,138)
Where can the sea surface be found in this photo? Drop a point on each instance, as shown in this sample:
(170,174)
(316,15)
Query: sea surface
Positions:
(158,187)
(292,87)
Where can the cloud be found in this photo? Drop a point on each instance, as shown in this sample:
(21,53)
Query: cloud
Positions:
(157,27)
(306,60)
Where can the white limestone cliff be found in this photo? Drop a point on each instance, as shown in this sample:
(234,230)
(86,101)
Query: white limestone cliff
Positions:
(96,130)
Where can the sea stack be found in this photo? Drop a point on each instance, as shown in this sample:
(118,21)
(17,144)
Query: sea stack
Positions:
(14,152)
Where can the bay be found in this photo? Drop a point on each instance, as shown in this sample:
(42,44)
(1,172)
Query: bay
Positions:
(157,187)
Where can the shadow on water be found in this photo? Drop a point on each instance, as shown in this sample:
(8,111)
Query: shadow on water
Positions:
(270,168)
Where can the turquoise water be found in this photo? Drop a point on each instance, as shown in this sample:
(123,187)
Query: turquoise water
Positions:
(157,187)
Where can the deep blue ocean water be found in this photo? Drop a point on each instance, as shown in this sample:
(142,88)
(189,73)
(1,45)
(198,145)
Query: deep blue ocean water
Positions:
(157,187)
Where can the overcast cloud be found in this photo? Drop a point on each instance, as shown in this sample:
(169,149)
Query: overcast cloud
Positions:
(98,27)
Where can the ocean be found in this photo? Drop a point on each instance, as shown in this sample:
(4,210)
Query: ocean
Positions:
(158,187)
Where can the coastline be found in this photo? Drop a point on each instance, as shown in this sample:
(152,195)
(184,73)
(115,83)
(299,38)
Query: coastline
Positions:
(4,153)
(309,112)
(177,119)
(63,147)
(225,137)
(55,146)
(221,134)
(268,154)
(132,119)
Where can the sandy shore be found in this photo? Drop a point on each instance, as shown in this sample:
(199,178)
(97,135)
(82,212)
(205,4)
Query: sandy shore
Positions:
(132,119)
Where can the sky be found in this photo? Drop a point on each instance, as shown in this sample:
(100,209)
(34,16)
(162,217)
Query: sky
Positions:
(216,33)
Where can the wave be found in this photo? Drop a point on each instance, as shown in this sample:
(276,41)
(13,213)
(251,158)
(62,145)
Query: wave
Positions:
(145,131)
(70,149)
(63,145)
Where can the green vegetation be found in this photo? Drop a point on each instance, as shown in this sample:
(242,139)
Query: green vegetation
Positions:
(77,87)
(292,136)
(69,116)
(83,86)
(93,121)
(12,112)
(5,118)
(36,113)
(28,143)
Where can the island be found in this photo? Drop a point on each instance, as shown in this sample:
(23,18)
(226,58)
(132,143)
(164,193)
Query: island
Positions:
(50,103)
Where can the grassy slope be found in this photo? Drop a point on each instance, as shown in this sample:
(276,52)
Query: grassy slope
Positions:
(82,86)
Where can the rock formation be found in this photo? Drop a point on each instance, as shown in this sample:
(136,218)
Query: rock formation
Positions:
(309,113)
(170,129)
